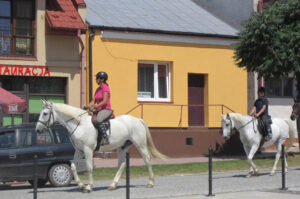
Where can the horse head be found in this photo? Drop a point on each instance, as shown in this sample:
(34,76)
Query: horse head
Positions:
(46,118)
(227,126)
(296,110)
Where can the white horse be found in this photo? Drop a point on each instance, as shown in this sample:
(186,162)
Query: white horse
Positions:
(125,130)
(251,138)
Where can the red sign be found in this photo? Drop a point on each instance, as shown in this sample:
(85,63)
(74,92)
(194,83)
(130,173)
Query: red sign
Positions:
(24,70)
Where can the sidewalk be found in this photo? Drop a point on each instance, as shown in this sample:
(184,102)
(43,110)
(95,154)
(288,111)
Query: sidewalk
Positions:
(291,193)
(108,162)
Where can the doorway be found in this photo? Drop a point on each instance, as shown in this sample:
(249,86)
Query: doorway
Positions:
(196,85)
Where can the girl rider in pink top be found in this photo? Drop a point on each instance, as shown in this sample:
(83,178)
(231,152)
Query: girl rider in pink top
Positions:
(101,104)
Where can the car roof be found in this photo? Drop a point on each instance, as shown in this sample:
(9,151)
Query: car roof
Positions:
(24,125)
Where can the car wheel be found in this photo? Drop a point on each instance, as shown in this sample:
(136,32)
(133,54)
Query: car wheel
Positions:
(41,182)
(60,175)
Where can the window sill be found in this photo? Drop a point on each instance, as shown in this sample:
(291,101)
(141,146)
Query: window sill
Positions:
(18,58)
(155,101)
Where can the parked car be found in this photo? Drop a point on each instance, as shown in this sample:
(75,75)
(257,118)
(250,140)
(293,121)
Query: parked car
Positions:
(18,146)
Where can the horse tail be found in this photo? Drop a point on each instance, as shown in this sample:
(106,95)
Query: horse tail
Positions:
(291,134)
(153,152)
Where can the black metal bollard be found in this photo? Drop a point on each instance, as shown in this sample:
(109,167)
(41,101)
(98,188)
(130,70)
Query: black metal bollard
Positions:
(210,151)
(35,176)
(283,167)
(127,176)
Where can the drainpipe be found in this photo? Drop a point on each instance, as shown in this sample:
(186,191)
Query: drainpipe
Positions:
(259,9)
(91,37)
(82,55)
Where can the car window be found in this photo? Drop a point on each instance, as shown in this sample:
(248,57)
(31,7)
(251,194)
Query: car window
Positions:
(8,140)
(26,137)
(44,138)
(61,135)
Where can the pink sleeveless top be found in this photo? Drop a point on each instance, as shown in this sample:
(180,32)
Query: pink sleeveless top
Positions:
(99,96)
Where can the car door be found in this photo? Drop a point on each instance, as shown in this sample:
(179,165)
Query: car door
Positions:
(36,144)
(9,156)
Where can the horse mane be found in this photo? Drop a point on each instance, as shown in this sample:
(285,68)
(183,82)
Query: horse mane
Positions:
(238,117)
(70,111)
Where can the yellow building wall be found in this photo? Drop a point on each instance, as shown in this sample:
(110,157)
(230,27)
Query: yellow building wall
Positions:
(225,83)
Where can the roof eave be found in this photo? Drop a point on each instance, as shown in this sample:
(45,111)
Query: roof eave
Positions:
(162,31)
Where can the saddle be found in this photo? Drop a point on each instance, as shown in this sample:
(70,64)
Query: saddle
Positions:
(261,127)
(106,122)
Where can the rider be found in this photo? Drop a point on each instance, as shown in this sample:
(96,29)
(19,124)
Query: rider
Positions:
(100,104)
(260,109)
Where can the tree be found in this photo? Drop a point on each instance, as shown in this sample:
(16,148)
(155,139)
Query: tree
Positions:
(269,42)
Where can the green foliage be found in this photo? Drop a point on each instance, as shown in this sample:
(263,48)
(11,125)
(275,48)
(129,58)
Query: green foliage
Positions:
(269,42)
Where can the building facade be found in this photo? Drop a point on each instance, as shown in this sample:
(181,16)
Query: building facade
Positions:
(163,69)
(41,42)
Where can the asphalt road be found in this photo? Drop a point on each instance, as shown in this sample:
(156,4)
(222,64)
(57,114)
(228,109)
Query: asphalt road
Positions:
(225,185)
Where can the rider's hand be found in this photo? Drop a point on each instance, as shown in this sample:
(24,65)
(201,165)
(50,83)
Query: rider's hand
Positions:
(92,108)
(85,107)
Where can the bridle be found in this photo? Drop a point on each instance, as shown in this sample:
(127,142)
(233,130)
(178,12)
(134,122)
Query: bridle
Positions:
(47,124)
(229,118)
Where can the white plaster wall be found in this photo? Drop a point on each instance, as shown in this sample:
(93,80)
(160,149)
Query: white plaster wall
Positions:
(281,108)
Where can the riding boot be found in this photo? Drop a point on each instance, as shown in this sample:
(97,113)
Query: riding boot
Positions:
(269,135)
(102,130)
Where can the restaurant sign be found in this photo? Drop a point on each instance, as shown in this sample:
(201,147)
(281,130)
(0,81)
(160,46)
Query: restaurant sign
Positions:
(24,70)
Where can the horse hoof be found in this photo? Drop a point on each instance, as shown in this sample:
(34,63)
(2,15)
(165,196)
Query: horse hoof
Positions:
(82,187)
(248,175)
(150,186)
(272,174)
(111,188)
(256,173)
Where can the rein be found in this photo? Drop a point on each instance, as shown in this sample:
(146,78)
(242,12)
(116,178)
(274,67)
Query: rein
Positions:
(51,114)
(252,120)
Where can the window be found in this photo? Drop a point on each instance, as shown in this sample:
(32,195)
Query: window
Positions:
(44,138)
(17,22)
(7,140)
(61,135)
(280,87)
(26,137)
(153,82)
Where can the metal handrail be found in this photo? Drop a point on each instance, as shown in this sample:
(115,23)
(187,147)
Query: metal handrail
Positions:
(178,105)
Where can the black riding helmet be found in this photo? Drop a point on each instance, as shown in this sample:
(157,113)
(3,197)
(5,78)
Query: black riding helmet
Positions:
(262,89)
(102,75)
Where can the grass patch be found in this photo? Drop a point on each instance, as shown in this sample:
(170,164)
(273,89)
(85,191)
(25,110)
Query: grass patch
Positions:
(192,168)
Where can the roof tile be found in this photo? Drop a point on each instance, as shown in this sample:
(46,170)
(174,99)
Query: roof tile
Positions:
(63,15)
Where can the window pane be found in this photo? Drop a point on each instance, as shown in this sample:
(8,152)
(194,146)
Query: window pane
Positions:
(273,87)
(41,85)
(23,27)
(5,45)
(44,138)
(4,8)
(7,140)
(12,83)
(23,46)
(26,137)
(288,87)
(5,27)
(146,81)
(162,81)
(61,135)
(24,9)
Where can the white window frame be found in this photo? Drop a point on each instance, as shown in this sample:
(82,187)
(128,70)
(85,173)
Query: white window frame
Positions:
(156,92)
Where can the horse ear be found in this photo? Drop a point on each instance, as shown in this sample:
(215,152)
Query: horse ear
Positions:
(44,102)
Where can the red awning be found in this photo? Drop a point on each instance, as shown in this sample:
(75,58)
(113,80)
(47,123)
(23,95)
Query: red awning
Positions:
(11,103)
